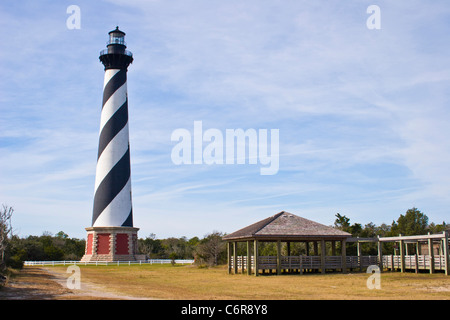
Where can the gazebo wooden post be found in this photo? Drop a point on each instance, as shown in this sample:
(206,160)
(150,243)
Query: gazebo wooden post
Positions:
(229,256)
(278,256)
(301,265)
(243,265)
(344,255)
(288,249)
(358,252)
(249,258)
(322,256)
(235,257)
(315,253)
(256,260)
(307,252)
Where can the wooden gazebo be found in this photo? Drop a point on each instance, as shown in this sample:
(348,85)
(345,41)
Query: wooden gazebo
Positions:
(287,227)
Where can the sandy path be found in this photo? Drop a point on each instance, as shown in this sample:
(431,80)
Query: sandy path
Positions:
(35,283)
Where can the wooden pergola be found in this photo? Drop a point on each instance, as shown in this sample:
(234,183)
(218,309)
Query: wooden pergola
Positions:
(287,227)
(416,260)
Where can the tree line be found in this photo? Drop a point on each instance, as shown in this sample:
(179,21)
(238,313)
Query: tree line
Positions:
(413,222)
(209,250)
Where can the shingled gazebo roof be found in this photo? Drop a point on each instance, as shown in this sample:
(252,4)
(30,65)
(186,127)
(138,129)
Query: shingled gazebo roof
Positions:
(286,226)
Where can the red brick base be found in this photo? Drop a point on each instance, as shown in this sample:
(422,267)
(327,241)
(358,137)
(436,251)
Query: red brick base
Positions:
(111,244)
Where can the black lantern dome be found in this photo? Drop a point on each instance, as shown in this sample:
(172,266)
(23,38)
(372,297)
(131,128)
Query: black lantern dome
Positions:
(116,56)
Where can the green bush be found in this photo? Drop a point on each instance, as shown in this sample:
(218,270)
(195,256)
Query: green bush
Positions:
(15,262)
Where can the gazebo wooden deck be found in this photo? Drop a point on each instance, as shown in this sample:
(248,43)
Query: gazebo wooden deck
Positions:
(285,227)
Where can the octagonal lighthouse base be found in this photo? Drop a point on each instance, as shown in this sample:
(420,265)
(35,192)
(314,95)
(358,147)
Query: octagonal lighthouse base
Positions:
(111,244)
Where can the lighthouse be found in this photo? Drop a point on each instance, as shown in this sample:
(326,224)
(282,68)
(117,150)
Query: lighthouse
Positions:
(111,236)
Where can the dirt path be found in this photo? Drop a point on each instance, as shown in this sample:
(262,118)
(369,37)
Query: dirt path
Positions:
(34,283)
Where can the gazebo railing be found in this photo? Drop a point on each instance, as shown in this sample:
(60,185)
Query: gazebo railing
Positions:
(310,262)
(420,262)
(333,262)
(306,262)
(267,262)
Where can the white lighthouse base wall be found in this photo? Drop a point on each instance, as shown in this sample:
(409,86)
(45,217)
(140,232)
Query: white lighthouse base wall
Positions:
(111,244)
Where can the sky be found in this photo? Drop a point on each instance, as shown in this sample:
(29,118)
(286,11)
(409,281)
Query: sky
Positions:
(362,113)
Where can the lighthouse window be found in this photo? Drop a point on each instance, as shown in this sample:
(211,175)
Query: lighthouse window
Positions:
(117,40)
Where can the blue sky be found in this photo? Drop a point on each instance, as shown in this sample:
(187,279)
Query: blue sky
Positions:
(362,114)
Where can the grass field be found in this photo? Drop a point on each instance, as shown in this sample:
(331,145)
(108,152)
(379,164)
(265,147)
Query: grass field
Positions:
(191,282)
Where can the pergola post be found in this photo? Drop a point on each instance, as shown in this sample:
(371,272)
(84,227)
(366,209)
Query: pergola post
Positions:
(431,254)
(255,254)
(249,259)
(446,257)
(417,256)
(402,254)
(380,254)
(416,263)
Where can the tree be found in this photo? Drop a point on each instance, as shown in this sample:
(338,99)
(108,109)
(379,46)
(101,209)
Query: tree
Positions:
(342,223)
(150,246)
(437,228)
(175,247)
(414,222)
(5,232)
(211,248)
(62,235)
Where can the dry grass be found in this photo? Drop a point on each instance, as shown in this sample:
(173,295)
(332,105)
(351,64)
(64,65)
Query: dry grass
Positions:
(190,282)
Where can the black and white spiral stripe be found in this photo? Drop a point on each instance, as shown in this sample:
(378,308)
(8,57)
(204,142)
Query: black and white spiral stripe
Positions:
(112,199)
